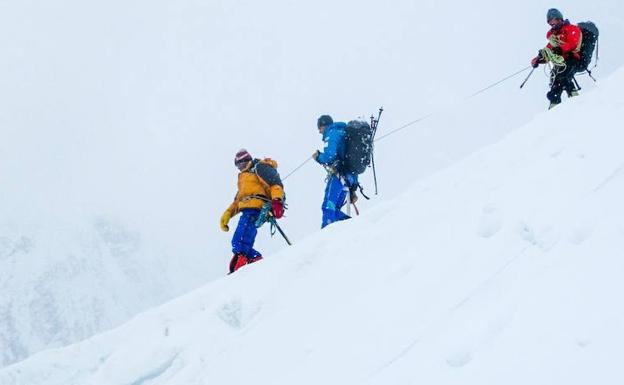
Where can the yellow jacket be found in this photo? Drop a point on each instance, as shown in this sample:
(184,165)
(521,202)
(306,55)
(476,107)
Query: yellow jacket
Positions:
(256,184)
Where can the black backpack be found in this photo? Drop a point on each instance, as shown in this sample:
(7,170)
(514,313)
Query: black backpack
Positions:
(588,44)
(358,147)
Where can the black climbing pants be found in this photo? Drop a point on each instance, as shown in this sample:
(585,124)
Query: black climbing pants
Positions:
(563,80)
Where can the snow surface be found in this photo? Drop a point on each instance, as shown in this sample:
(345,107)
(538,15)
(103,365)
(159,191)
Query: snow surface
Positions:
(502,269)
(119,120)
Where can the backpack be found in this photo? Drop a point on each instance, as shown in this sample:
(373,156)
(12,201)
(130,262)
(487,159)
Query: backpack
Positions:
(589,42)
(358,147)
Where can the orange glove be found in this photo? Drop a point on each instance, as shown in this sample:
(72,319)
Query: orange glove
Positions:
(225,219)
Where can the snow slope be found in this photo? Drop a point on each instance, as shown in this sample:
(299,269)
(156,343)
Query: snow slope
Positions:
(504,268)
(119,120)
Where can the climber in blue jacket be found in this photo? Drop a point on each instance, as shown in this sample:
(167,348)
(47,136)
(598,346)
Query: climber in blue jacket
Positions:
(339,184)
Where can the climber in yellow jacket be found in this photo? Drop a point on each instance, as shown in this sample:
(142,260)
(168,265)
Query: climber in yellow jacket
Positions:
(258,183)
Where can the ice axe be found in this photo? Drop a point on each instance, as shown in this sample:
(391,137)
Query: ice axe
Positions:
(267,215)
(273,222)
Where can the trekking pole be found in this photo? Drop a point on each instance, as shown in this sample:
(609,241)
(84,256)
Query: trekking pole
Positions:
(527,78)
(274,223)
(597,52)
(374,173)
(374,124)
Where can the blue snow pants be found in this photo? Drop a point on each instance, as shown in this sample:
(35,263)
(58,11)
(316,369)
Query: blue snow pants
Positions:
(335,198)
(245,234)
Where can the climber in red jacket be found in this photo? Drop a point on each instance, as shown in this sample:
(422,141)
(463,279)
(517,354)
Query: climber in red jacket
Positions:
(562,50)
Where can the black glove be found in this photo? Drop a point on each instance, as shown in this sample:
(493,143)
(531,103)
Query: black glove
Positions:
(539,59)
(557,50)
(316,155)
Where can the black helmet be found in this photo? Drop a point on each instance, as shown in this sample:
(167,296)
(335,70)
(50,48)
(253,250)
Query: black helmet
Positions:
(324,120)
(553,13)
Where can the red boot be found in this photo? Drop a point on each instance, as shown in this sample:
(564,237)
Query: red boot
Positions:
(238,261)
(255,259)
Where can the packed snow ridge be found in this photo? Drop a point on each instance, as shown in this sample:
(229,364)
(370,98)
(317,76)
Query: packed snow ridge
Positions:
(505,268)
(103,148)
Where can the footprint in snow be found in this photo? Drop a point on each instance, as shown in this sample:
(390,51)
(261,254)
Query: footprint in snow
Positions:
(235,315)
(490,223)
(580,233)
(231,314)
(458,360)
(526,233)
(547,238)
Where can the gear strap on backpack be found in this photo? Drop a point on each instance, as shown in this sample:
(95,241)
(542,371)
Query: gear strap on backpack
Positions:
(359,187)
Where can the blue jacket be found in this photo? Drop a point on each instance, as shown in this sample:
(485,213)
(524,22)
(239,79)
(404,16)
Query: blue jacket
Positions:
(334,138)
(335,148)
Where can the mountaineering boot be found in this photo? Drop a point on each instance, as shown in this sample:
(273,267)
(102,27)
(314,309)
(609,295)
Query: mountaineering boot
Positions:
(238,261)
(255,259)
(572,92)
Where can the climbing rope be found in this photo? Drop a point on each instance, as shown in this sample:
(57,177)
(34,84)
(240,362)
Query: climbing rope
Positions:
(391,132)
(297,168)
(422,118)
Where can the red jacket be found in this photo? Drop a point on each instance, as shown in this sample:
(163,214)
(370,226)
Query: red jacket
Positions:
(568,37)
